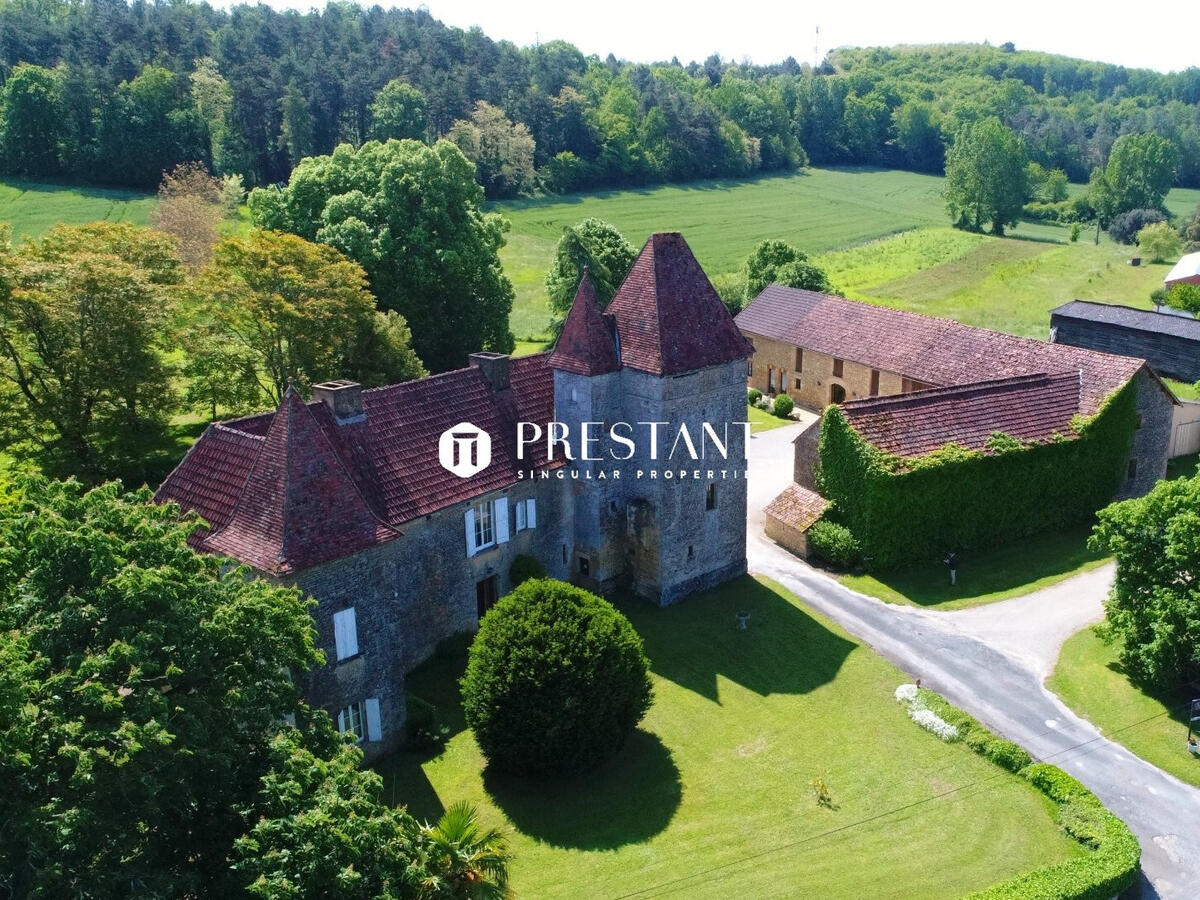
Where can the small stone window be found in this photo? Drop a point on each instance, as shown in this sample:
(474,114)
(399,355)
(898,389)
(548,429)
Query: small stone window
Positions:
(1131,471)
(799,360)
(585,566)
(874,382)
(710,497)
(837,368)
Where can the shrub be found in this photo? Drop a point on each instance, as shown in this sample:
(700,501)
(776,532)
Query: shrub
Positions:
(1006,754)
(783,406)
(556,680)
(1125,226)
(523,568)
(1159,242)
(834,543)
(753,397)
(1075,231)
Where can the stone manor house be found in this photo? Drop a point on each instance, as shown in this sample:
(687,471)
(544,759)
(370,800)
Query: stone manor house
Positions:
(345,498)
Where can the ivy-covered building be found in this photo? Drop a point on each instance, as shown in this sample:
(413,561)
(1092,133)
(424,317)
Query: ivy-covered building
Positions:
(941,436)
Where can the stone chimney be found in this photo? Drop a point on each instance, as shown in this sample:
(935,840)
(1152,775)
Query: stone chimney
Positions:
(344,399)
(494,367)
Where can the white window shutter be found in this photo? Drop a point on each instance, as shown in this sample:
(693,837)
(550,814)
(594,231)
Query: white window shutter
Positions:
(531,513)
(341,720)
(470,518)
(373,730)
(345,633)
(500,520)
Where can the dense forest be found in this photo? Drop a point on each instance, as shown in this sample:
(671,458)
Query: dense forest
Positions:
(112,92)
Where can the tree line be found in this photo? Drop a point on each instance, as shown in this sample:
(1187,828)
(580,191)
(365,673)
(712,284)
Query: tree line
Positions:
(117,92)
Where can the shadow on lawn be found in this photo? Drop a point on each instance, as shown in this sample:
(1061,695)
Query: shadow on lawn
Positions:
(993,571)
(629,799)
(783,650)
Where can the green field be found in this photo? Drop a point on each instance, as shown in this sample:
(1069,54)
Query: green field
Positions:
(32,207)
(712,796)
(841,215)
(1089,679)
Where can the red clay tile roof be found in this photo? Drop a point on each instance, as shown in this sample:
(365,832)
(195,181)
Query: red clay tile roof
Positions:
(298,507)
(291,489)
(587,345)
(1028,407)
(798,507)
(924,348)
(669,318)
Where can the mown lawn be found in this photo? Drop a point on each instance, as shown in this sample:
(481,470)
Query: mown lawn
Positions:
(1090,680)
(34,207)
(984,576)
(712,796)
(761,420)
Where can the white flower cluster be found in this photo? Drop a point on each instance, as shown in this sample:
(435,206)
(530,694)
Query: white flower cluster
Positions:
(923,716)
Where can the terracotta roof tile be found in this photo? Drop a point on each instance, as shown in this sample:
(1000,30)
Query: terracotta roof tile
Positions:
(798,507)
(587,345)
(669,318)
(293,488)
(1028,407)
(924,348)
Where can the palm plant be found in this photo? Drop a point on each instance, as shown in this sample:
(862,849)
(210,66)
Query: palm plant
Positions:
(465,859)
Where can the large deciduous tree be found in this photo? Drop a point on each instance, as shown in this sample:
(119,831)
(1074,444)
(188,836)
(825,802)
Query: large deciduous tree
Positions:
(33,124)
(144,690)
(1154,605)
(274,308)
(1141,169)
(501,150)
(83,315)
(399,111)
(190,208)
(985,176)
(412,216)
(597,246)
(778,262)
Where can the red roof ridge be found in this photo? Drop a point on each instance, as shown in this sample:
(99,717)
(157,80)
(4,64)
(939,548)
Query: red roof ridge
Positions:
(587,343)
(967,389)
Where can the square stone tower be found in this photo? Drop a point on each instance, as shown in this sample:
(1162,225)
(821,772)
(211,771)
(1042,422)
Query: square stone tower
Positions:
(671,518)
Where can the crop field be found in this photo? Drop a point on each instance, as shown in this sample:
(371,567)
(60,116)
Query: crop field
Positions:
(881,234)
(33,207)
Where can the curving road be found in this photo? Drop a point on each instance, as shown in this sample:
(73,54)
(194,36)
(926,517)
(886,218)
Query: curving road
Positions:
(991,662)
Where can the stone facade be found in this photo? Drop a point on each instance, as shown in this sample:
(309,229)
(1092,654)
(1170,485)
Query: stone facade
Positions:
(1152,439)
(815,384)
(411,594)
(642,530)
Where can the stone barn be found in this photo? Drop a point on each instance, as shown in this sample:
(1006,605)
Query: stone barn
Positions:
(1170,344)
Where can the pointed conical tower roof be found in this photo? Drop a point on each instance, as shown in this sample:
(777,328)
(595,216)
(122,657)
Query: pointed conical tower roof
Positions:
(299,507)
(587,345)
(669,317)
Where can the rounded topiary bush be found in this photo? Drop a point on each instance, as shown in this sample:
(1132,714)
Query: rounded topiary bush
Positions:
(556,680)
(753,396)
(783,406)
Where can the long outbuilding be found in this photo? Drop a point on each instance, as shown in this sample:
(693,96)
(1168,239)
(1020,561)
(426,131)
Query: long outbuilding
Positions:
(1170,344)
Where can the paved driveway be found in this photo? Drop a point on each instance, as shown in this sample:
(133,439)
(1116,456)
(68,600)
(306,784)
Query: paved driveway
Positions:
(991,662)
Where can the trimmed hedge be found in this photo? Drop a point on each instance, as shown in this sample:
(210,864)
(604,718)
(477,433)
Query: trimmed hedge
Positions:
(1112,865)
(783,406)
(953,498)
(753,396)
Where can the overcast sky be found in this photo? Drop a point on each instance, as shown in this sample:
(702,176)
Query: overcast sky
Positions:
(1161,36)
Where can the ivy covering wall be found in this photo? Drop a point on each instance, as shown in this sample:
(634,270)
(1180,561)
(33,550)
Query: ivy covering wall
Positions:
(904,510)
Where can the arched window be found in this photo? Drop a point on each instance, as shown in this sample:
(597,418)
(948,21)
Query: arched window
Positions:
(837,393)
